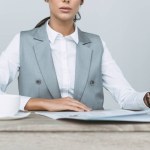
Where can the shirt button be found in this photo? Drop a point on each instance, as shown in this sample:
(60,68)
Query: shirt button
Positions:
(38,81)
(92,82)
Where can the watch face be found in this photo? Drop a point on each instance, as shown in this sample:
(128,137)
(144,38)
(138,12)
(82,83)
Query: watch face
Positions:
(147,99)
(148,95)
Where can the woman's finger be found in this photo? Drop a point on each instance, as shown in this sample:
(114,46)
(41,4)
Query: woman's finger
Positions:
(73,108)
(70,103)
(60,105)
(79,103)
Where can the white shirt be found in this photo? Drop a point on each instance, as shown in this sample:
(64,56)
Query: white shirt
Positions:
(63,53)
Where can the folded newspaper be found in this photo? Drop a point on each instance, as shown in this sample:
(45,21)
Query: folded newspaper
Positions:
(101,115)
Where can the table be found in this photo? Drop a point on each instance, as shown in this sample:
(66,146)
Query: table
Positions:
(41,133)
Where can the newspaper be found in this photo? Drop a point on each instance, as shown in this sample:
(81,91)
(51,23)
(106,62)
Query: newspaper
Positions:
(101,115)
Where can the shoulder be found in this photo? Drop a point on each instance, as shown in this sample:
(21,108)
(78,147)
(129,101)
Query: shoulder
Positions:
(94,38)
(91,35)
(27,36)
(28,33)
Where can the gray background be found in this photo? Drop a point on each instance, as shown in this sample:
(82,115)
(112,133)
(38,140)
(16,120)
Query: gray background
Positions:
(122,24)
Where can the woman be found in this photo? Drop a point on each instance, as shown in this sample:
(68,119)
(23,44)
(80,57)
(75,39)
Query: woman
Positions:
(63,68)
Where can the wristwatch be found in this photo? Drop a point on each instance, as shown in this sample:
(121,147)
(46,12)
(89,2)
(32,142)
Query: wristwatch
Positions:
(147,99)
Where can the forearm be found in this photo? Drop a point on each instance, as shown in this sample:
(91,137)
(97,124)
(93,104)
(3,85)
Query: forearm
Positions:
(133,101)
(35,104)
(60,104)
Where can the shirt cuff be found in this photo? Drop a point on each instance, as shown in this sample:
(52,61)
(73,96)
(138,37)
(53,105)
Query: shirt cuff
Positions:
(140,99)
(23,102)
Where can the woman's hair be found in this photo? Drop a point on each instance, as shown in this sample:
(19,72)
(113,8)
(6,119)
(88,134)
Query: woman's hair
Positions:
(77,17)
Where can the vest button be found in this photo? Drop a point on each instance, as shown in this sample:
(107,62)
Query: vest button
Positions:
(92,82)
(38,81)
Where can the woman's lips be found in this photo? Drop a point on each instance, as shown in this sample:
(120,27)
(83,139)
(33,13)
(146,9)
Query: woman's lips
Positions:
(65,9)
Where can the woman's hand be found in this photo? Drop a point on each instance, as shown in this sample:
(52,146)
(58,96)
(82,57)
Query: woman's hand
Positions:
(61,104)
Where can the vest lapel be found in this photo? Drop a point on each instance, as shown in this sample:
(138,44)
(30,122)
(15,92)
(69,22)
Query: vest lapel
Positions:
(83,62)
(44,58)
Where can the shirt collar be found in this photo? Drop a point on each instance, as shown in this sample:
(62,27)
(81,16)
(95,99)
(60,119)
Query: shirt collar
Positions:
(53,35)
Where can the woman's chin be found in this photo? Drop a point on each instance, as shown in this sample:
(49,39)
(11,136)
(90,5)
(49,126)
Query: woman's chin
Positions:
(66,18)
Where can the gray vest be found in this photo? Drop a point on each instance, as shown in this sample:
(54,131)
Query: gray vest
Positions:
(37,77)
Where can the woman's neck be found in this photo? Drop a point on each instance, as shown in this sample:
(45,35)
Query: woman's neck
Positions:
(63,27)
